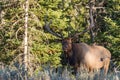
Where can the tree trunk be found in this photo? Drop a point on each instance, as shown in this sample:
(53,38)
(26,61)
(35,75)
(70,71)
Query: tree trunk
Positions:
(25,62)
(1,16)
(91,5)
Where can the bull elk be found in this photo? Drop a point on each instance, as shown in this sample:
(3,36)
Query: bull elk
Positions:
(91,56)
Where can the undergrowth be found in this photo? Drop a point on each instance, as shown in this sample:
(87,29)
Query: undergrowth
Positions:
(47,73)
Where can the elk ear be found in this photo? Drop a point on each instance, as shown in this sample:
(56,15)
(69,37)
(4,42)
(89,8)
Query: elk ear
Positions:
(75,40)
(72,39)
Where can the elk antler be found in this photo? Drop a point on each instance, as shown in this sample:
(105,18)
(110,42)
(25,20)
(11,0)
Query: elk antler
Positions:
(77,34)
(47,28)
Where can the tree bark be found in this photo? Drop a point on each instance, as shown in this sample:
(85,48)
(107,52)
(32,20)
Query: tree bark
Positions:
(91,3)
(1,16)
(25,62)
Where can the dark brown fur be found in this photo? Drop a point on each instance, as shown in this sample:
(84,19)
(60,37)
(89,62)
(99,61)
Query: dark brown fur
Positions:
(91,57)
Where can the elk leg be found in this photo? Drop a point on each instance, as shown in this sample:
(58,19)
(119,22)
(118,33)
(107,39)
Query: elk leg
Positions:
(75,69)
(106,65)
(90,70)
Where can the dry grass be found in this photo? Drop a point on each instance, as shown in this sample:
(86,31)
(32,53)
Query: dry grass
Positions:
(13,73)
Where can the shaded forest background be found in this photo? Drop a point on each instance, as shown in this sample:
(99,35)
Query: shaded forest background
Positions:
(67,16)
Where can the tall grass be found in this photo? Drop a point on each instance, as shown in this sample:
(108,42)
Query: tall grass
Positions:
(13,73)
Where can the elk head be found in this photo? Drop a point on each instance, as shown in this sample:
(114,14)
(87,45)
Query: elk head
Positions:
(67,46)
(66,42)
